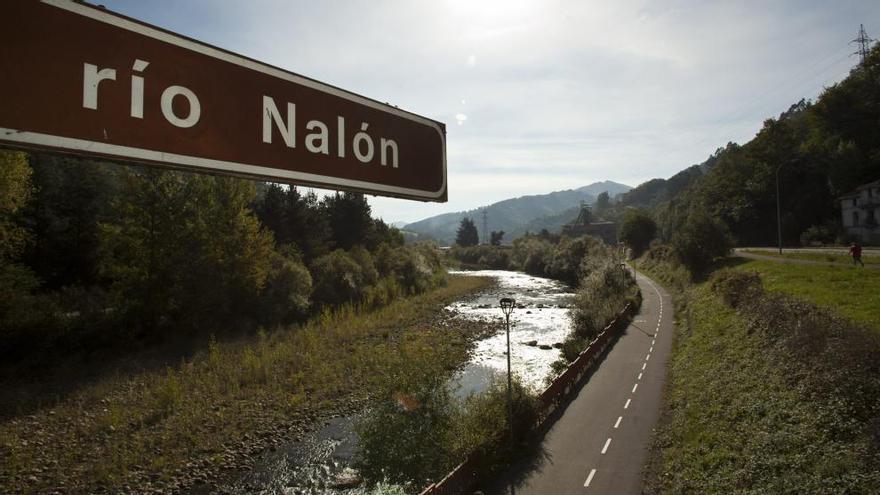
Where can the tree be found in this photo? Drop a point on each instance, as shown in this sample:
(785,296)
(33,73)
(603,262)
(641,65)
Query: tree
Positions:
(350,222)
(700,240)
(185,251)
(495,237)
(637,230)
(603,202)
(467,233)
(295,219)
(15,192)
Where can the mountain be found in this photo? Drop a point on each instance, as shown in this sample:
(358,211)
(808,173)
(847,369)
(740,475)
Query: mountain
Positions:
(515,216)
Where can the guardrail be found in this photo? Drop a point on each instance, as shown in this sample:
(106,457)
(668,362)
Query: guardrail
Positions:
(464,475)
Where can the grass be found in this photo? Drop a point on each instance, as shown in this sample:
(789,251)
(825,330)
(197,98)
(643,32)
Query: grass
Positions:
(814,256)
(744,416)
(147,428)
(851,292)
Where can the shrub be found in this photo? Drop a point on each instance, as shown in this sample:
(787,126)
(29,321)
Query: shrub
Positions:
(637,230)
(700,240)
(571,259)
(530,254)
(818,235)
(337,279)
(735,286)
(483,257)
(288,288)
(601,295)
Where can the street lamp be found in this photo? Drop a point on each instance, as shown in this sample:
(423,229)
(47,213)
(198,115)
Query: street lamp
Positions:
(507,305)
(778,210)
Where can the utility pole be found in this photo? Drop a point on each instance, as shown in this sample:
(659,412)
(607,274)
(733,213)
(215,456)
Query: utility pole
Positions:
(778,210)
(485,226)
(863,42)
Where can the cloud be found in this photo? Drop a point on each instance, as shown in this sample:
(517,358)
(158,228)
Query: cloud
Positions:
(552,93)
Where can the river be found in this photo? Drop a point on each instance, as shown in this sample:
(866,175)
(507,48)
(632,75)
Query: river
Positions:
(321,460)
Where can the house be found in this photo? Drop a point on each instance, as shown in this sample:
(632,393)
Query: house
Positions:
(861,212)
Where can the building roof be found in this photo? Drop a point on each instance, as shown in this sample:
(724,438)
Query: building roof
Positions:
(857,191)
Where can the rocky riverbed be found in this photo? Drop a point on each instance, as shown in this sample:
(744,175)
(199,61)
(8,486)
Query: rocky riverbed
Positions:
(318,459)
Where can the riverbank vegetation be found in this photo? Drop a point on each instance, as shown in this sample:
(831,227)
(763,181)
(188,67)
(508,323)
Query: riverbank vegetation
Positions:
(157,322)
(169,428)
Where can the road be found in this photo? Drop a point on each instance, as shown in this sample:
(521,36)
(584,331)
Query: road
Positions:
(599,444)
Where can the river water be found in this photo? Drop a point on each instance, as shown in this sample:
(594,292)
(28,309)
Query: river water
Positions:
(539,321)
(318,463)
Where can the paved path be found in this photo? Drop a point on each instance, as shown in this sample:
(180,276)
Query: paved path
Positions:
(794,261)
(599,444)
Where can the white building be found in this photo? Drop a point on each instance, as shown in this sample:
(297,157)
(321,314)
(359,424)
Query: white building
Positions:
(861,212)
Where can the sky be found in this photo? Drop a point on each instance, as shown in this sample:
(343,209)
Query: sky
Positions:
(544,95)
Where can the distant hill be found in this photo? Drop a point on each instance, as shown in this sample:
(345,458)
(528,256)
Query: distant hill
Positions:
(515,216)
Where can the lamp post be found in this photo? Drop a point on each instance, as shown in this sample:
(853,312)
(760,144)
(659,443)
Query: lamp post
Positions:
(778,210)
(507,305)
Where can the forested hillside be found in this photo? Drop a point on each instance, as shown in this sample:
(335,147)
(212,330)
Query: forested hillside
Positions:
(515,216)
(821,149)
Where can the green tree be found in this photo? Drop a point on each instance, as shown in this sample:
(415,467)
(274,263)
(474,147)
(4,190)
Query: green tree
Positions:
(295,219)
(73,197)
(637,230)
(350,222)
(467,233)
(185,250)
(700,240)
(603,202)
(496,237)
(15,191)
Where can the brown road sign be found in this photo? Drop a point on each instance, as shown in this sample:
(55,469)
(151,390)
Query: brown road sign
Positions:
(79,79)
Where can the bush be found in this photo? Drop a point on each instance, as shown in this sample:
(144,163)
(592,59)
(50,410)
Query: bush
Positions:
(735,286)
(601,295)
(483,257)
(571,258)
(700,240)
(286,296)
(819,235)
(530,254)
(637,230)
(419,431)
(337,279)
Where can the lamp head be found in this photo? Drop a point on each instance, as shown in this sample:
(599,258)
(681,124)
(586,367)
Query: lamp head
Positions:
(507,305)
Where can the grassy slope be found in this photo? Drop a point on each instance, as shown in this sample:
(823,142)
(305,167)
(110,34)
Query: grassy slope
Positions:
(733,421)
(813,256)
(851,292)
(143,430)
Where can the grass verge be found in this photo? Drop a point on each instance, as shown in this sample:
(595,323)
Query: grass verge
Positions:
(814,256)
(766,394)
(851,292)
(169,429)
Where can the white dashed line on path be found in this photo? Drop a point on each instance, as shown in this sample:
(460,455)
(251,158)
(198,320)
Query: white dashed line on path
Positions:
(627,403)
(605,448)
(619,419)
(590,478)
(634,388)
